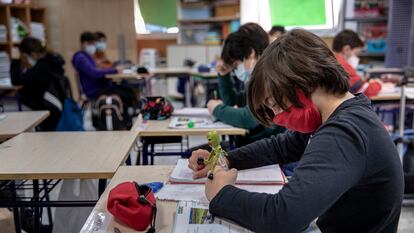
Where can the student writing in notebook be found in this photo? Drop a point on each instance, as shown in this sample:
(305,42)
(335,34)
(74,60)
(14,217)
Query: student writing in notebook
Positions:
(239,55)
(349,176)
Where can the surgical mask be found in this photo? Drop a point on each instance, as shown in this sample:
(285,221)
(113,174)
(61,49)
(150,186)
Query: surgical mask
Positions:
(31,61)
(90,49)
(353,61)
(101,46)
(306,119)
(241,73)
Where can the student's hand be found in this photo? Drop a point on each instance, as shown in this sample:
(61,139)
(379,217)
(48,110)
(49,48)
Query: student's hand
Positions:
(222,68)
(120,69)
(221,179)
(212,104)
(200,171)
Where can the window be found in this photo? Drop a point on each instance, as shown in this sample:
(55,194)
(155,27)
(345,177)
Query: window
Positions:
(155,16)
(307,14)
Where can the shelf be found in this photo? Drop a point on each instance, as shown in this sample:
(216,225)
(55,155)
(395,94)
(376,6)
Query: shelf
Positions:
(368,19)
(210,20)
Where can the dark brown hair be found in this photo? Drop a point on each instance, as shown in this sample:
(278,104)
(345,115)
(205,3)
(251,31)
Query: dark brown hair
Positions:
(297,61)
(344,38)
(31,45)
(239,44)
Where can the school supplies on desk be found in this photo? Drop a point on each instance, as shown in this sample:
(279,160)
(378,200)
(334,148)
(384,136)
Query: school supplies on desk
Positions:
(195,122)
(267,175)
(195,217)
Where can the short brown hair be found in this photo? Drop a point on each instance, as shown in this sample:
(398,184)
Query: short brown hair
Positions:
(297,61)
(344,38)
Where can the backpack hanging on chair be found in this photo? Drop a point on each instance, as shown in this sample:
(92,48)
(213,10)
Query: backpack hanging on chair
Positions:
(108,113)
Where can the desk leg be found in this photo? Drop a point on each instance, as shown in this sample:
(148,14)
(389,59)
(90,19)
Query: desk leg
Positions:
(232,142)
(49,210)
(144,152)
(37,216)
(101,186)
(16,214)
(19,103)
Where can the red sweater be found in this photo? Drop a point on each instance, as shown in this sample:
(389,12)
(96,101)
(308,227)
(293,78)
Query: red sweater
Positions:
(356,83)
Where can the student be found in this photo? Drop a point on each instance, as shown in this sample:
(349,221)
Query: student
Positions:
(349,176)
(36,69)
(92,78)
(100,56)
(347,46)
(240,52)
(276,32)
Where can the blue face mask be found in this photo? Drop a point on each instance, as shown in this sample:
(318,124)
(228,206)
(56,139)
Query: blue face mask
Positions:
(90,49)
(100,46)
(241,73)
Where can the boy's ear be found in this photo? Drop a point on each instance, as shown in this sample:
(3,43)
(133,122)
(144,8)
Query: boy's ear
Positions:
(252,54)
(346,50)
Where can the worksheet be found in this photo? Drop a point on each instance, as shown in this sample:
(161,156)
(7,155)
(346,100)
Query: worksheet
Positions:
(194,217)
(195,192)
(271,174)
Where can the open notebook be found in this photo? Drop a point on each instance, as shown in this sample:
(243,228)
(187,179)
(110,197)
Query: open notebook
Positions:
(271,174)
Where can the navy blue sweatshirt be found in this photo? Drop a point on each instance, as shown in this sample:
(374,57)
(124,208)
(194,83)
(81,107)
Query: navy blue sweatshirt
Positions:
(349,177)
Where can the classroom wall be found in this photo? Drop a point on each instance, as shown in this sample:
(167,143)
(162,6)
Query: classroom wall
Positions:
(68,19)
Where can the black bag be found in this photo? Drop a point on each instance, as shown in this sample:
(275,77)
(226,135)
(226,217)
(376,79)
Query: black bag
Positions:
(408,167)
(156,108)
(53,100)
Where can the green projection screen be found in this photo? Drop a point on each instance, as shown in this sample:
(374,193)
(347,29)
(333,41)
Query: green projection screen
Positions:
(297,12)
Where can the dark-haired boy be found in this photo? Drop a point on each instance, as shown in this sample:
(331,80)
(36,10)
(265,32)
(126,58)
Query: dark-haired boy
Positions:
(239,55)
(347,46)
(92,78)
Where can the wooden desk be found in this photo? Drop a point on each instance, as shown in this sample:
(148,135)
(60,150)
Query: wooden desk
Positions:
(64,155)
(18,122)
(141,174)
(132,76)
(160,128)
(390,97)
(9,87)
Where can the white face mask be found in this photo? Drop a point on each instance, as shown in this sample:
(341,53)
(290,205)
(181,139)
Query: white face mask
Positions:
(353,61)
(101,46)
(90,49)
(241,73)
(31,61)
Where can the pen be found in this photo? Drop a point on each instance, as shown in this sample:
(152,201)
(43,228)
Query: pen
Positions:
(215,94)
(200,161)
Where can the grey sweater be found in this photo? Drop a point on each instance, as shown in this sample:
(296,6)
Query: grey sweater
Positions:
(349,177)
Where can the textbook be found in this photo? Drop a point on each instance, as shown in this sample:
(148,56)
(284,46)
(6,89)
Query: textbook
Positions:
(194,217)
(267,175)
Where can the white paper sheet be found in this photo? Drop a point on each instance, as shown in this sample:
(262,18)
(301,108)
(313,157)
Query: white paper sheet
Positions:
(192,112)
(271,174)
(198,123)
(195,192)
